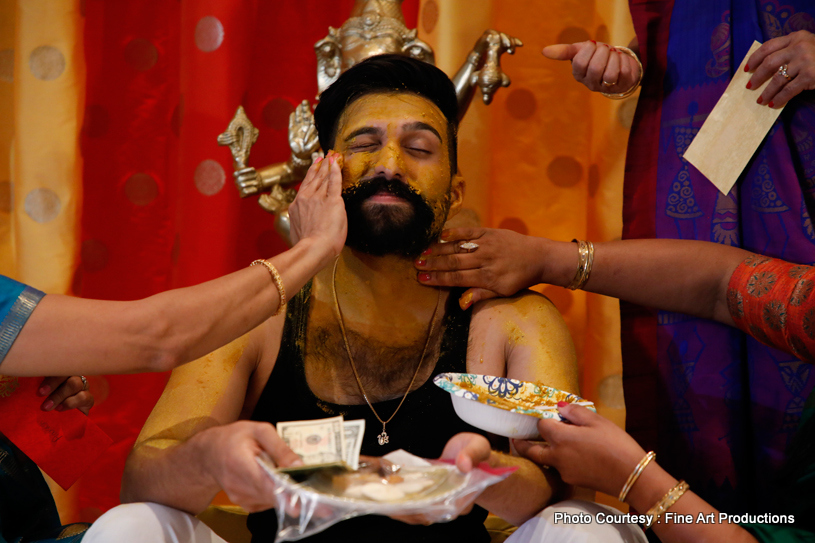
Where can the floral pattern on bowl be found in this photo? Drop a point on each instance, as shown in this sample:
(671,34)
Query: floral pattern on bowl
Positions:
(511,395)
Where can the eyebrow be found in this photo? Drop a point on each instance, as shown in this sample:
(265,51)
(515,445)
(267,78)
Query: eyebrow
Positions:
(417,125)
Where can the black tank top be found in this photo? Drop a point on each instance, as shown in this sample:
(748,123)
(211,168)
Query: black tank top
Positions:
(423,425)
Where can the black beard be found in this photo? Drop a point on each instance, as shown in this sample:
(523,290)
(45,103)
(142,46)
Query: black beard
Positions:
(380,230)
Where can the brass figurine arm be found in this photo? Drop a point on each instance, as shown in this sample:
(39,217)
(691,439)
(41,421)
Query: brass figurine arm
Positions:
(482,68)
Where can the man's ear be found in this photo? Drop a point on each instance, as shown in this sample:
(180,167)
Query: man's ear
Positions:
(456,194)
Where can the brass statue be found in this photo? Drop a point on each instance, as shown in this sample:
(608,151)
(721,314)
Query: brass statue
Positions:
(375,27)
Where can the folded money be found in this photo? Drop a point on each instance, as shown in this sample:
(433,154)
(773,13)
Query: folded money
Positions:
(328,443)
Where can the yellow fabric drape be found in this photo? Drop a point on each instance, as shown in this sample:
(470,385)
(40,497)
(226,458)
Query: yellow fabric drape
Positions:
(546,157)
(48,97)
(42,90)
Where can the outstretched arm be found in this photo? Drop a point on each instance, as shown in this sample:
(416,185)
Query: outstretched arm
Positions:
(673,275)
(66,335)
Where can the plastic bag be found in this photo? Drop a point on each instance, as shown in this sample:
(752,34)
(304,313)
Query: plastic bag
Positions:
(409,486)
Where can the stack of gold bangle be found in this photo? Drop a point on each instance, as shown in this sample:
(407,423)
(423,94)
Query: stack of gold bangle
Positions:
(585,254)
(636,475)
(629,92)
(278,282)
(667,501)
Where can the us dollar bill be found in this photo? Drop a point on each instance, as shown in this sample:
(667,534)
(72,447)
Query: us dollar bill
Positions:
(320,441)
(354,431)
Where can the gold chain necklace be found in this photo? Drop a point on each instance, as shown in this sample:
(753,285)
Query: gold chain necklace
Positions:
(382,438)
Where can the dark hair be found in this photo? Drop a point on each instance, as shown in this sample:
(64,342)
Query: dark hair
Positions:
(388,74)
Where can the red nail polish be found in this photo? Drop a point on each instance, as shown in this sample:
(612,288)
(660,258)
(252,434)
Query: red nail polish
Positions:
(562,404)
(421,262)
(594,42)
(749,84)
(445,234)
(48,405)
(746,67)
(427,251)
(760,100)
(424,276)
(770,104)
(44,390)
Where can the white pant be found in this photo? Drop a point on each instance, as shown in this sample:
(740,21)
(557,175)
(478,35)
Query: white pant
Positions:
(543,528)
(149,522)
(154,523)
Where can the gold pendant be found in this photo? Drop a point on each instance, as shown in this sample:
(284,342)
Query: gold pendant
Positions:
(382,438)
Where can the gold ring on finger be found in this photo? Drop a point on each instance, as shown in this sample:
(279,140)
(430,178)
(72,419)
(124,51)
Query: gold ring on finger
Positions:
(607,84)
(84,382)
(783,71)
(468,246)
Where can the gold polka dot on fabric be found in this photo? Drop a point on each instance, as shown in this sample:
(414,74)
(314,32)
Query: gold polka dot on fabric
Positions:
(97,121)
(141,54)
(521,103)
(430,16)
(42,205)
(94,255)
(564,171)
(276,113)
(7,65)
(515,224)
(5,196)
(209,177)
(573,34)
(625,112)
(209,34)
(610,392)
(141,189)
(46,63)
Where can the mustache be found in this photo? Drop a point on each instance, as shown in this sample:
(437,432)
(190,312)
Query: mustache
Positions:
(375,185)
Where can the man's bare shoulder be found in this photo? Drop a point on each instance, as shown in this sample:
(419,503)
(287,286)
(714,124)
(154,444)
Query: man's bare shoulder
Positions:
(525,337)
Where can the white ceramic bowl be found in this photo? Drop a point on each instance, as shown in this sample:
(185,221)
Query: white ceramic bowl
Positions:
(507,407)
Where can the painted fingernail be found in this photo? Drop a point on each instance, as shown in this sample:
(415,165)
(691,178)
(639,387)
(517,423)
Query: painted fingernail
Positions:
(421,262)
(318,160)
(427,251)
(61,407)
(760,100)
(746,67)
(749,84)
(331,158)
(562,404)
(594,42)
(48,405)
(424,276)
(44,390)
(466,301)
(770,104)
(445,234)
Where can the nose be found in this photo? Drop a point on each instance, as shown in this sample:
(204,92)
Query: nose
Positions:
(390,163)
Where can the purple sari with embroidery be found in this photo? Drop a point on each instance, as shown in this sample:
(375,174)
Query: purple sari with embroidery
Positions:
(717,406)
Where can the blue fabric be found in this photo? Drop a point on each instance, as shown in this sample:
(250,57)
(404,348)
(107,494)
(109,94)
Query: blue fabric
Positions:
(17,302)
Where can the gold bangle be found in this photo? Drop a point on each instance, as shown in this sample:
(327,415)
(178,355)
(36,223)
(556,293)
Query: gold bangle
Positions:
(636,475)
(629,92)
(278,282)
(585,261)
(666,503)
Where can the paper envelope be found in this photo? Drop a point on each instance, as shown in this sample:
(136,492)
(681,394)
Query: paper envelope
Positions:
(733,130)
(63,444)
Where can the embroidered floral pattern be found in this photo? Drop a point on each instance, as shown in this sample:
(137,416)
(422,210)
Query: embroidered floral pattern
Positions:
(756,260)
(775,315)
(801,292)
(760,283)
(797,271)
(809,323)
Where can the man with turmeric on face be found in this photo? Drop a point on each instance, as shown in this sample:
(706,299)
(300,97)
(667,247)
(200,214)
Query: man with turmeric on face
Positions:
(391,122)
